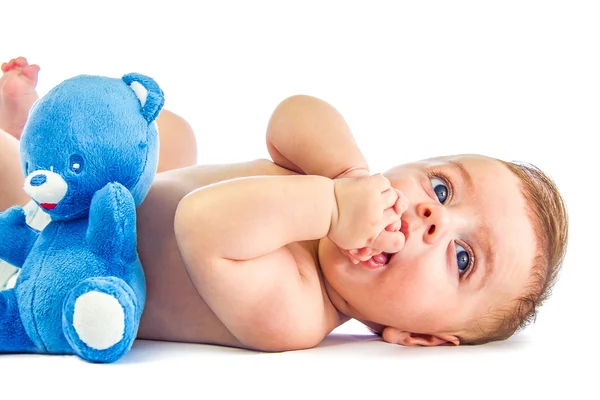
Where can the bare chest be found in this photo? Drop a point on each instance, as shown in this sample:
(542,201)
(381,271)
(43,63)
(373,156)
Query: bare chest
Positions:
(174,308)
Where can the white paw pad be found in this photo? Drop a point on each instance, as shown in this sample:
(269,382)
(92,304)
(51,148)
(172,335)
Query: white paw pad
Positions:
(99,320)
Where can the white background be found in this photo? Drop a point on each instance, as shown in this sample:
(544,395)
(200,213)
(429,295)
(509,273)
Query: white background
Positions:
(518,80)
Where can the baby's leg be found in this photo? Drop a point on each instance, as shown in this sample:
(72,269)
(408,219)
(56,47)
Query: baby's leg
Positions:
(17,94)
(11,176)
(177,142)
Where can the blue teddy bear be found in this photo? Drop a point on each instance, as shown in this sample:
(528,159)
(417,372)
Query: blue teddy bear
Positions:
(89,152)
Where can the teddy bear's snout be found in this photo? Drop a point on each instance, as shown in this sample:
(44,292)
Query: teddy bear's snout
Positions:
(47,188)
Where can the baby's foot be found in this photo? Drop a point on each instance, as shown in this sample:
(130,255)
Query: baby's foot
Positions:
(17,94)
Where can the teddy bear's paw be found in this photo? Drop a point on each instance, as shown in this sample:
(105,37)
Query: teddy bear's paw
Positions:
(100,319)
(14,216)
(16,237)
(12,221)
(111,231)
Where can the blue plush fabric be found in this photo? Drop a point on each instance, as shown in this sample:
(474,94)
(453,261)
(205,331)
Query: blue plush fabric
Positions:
(89,152)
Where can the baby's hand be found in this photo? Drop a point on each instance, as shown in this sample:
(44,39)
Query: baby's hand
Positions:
(365,207)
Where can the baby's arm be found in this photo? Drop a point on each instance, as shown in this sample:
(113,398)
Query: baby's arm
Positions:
(309,136)
(232,238)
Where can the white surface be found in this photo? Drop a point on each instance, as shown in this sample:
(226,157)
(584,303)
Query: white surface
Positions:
(347,365)
(513,79)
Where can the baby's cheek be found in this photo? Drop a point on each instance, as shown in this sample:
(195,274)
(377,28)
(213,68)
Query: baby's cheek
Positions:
(414,277)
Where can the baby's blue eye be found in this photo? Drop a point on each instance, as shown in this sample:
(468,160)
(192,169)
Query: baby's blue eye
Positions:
(440,189)
(462,259)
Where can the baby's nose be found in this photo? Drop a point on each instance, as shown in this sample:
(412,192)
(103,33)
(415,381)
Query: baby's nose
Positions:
(435,221)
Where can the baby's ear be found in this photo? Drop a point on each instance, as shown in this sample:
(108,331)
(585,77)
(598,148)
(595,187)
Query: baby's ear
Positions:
(396,336)
(148,92)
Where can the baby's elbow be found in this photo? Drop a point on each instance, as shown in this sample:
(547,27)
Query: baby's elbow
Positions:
(279,339)
(279,346)
(286,113)
(307,341)
(294,101)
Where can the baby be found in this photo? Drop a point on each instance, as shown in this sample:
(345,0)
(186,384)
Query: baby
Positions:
(274,255)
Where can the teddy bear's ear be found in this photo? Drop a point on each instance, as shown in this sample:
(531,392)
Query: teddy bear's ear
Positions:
(148,92)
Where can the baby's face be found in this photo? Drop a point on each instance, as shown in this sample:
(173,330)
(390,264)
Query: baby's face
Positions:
(469,248)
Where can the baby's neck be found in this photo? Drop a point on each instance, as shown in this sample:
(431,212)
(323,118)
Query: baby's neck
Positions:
(333,300)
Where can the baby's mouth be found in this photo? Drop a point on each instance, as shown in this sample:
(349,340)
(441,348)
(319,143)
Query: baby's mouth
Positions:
(378,260)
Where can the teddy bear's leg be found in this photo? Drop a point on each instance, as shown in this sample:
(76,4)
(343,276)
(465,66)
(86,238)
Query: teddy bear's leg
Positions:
(13,338)
(101,318)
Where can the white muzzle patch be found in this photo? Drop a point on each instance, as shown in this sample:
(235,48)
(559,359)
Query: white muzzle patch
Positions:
(47,188)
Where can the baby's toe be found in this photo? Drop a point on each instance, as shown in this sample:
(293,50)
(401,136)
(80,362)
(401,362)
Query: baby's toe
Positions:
(31,71)
(20,62)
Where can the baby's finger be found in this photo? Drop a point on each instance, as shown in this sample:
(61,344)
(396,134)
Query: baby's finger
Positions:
(382,182)
(389,198)
(390,242)
(401,204)
(394,227)
(361,254)
(390,216)
(353,259)
(365,251)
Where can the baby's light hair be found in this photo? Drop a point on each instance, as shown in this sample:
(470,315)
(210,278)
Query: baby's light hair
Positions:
(547,212)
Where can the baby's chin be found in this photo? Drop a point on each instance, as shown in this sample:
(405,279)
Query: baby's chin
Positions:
(340,272)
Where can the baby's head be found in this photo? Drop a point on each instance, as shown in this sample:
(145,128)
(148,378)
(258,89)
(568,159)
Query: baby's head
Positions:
(484,243)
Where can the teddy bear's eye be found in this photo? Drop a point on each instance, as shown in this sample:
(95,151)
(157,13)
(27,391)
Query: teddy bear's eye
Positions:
(76,163)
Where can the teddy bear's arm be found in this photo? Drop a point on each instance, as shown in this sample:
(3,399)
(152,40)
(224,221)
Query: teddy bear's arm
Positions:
(16,237)
(111,231)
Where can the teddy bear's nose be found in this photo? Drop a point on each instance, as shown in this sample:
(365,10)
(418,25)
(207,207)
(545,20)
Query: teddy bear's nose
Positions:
(38,180)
